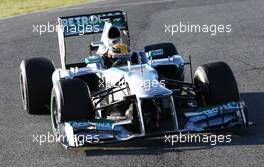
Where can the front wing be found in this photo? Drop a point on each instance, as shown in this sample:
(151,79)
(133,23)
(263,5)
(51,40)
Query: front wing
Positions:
(98,131)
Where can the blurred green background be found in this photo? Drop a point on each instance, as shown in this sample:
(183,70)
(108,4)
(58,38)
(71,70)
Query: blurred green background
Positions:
(15,7)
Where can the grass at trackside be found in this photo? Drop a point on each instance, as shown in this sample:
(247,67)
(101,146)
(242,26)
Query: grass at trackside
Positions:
(15,7)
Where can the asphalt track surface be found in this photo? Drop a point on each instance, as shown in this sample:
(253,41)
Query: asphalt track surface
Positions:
(242,49)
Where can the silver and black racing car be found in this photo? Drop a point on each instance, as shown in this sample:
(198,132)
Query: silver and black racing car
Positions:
(144,94)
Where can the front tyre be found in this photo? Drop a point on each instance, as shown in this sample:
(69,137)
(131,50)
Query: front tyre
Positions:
(217,84)
(70,101)
(36,84)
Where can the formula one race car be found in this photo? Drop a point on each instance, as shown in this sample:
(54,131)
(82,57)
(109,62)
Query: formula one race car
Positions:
(143,95)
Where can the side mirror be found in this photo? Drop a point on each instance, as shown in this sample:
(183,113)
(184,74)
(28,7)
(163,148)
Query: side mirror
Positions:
(95,45)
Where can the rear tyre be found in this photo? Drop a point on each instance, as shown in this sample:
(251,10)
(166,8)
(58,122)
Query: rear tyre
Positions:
(217,84)
(168,50)
(70,101)
(36,84)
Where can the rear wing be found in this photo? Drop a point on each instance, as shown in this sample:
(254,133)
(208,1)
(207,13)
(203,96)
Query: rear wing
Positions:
(85,25)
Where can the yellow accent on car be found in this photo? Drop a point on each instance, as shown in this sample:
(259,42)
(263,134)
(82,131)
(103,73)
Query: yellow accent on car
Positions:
(120,48)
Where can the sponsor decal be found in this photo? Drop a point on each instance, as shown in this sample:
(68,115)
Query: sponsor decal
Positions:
(100,124)
(89,23)
(212,110)
(81,25)
(154,53)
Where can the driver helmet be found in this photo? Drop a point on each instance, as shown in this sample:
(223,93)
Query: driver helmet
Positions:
(118,50)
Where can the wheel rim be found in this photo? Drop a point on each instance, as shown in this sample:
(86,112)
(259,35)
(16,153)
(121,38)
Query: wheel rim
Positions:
(23,92)
(54,115)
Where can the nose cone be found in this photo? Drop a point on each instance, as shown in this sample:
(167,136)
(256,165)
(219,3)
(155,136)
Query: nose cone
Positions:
(154,91)
(145,84)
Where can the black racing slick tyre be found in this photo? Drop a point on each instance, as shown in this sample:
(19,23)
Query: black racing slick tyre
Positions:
(216,84)
(168,50)
(36,84)
(70,101)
